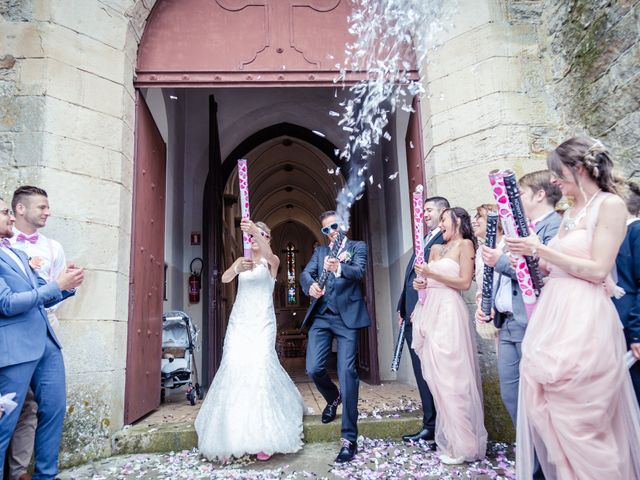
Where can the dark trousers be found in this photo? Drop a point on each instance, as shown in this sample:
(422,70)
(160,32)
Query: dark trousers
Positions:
(509,356)
(325,327)
(428,407)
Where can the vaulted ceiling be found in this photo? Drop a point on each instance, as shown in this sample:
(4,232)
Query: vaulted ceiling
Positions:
(290,180)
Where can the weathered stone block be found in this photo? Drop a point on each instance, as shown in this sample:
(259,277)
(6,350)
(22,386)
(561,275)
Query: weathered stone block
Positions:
(83,52)
(69,120)
(479,115)
(96,20)
(90,245)
(93,346)
(91,416)
(76,156)
(468,15)
(22,40)
(475,46)
(16,10)
(83,88)
(95,300)
(83,198)
(492,75)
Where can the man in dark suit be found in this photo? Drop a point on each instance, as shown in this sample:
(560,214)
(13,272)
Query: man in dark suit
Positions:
(628,269)
(433,207)
(339,312)
(31,355)
(539,197)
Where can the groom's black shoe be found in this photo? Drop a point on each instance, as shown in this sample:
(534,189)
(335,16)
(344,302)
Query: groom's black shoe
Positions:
(425,434)
(329,412)
(347,451)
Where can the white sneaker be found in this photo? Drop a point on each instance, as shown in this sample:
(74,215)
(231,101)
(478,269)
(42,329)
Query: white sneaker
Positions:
(447,460)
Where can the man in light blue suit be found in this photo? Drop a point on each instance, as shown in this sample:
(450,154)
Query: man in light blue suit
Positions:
(29,349)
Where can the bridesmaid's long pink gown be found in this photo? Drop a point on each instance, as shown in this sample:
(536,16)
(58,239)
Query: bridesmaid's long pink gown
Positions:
(445,342)
(577,406)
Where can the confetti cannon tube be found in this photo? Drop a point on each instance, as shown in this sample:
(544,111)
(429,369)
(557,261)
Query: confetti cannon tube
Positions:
(243,181)
(509,227)
(417,201)
(487,275)
(513,193)
(397,349)
(418,234)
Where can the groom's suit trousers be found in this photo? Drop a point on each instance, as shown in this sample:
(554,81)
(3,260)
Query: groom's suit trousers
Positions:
(325,327)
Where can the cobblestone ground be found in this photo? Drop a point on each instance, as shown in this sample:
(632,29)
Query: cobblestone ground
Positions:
(377,459)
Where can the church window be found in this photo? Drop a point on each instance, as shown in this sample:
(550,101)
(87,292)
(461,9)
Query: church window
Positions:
(292,297)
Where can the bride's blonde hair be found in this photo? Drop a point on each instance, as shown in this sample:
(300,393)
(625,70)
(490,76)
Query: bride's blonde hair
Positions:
(263,226)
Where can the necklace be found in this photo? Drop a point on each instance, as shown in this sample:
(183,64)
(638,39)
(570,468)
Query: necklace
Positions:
(570,223)
(445,248)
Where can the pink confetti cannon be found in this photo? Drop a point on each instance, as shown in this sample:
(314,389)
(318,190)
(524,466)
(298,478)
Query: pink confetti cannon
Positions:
(418,234)
(244,203)
(496,179)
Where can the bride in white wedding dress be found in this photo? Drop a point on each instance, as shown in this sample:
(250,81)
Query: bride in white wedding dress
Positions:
(252,406)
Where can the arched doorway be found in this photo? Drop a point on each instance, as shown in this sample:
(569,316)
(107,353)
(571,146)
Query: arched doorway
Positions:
(221,47)
(291,187)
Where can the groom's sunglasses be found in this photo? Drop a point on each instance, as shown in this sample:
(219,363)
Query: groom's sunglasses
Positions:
(329,228)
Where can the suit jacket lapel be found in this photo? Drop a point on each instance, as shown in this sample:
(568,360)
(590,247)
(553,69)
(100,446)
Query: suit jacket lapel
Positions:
(9,261)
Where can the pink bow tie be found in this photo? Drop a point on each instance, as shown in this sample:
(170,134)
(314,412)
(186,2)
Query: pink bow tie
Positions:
(27,238)
(5,243)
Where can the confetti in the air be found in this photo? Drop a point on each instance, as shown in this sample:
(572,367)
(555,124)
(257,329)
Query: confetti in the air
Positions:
(393,176)
(393,38)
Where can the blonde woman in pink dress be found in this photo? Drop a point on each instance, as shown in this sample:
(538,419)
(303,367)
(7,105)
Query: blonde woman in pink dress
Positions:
(577,407)
(444,339)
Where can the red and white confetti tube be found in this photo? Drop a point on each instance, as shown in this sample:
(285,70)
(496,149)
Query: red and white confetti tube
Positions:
(496,179)
(243,181)
(418,234)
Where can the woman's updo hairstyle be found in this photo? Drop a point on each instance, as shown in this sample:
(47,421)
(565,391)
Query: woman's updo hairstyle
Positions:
(586,152)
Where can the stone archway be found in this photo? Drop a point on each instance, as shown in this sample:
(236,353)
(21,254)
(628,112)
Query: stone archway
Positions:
(288,165)
(224,43)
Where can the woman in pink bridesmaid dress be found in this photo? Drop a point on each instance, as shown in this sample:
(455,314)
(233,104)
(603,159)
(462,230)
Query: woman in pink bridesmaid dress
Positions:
(577,407)
(444,339)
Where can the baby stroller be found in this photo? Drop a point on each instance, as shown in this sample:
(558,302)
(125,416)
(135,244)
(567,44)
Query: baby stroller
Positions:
(178,366)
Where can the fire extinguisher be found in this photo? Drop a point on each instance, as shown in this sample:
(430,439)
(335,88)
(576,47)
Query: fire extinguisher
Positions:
(195,284)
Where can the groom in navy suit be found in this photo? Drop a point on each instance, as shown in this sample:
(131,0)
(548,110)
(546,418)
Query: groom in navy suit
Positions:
(29,349)
(339,312)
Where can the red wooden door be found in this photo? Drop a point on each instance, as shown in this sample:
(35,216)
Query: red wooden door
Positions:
(142,389)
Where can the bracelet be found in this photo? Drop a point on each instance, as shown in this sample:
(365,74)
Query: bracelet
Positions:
(235,269)
(534,253)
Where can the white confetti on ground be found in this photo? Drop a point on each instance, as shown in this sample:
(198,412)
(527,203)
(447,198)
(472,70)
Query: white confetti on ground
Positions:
(376,459)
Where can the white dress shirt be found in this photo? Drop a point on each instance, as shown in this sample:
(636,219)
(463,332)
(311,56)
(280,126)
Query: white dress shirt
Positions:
(53,261)
(504,297)
(51,252)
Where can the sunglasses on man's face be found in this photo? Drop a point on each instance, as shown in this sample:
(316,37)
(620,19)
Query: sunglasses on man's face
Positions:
(329,228)
(264,234)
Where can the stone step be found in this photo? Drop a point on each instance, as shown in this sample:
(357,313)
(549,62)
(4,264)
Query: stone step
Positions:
(182,436)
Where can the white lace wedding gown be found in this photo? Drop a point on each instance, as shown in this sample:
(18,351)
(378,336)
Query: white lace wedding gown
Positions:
(252,405)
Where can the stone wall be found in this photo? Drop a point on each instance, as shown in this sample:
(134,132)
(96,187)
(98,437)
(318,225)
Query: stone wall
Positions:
(66,124)
(484,109)
(591,53)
